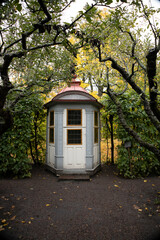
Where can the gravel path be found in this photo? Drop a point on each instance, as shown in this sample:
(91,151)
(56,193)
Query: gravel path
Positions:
(106,208)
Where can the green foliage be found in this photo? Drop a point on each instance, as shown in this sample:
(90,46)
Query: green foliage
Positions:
(14,144)
(135,161)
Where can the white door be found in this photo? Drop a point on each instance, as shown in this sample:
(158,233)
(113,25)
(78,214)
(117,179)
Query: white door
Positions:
(74,143)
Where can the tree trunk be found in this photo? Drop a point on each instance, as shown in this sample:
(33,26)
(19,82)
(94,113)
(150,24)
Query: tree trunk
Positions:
(35,137)
(112,140)
(31,150)
(153,86)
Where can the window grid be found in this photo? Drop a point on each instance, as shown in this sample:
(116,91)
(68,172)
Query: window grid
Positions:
(74,136)
(96,135)
(51,127)
(74,117)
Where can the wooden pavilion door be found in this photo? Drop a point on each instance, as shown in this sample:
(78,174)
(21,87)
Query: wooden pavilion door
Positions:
(74,139)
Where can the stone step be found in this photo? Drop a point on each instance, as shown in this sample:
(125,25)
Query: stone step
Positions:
(80,177)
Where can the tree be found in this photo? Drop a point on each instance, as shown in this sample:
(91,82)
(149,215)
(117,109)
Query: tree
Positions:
(31,30)
(135,57)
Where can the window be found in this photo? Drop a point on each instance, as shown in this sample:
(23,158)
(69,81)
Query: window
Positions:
(96,127)
(74,136)
(51,127)
(51,120)
(95,135)
(74,117)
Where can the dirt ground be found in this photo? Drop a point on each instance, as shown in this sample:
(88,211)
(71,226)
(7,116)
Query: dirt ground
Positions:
(107,207)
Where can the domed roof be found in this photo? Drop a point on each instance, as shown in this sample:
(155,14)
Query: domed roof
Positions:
(73,93)
(74,86)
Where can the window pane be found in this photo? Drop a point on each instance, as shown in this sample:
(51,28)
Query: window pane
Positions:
(74,117)
(51,118)
(51,135)
(95,118)
(95,135)
(74,137)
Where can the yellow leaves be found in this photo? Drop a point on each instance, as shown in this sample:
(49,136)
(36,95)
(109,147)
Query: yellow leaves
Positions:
(6,224)
(3,221)
(4,198)
(84,85)
(145,181)
(94,94)
(13,218)
(29,222)
(153,185)
(116,186)
(1,228)
(47,205)
(50,67)
(60,199)
(137,208)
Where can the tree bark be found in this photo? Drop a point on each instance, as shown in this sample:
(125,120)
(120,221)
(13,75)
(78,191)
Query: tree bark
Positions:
(153,86)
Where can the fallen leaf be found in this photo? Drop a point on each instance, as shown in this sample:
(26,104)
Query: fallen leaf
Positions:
(13,218)
(120,206)
(22,221)
(1,208)
(54,192)
(145,180)
(13,207)
(29,222)
(89,208)
(60,199)
(47,205)
(1,228)
(11,194)
(31,218)
(139,210)
(153,185)
(116,186)
(3,221)
(6,224)
(135,207)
